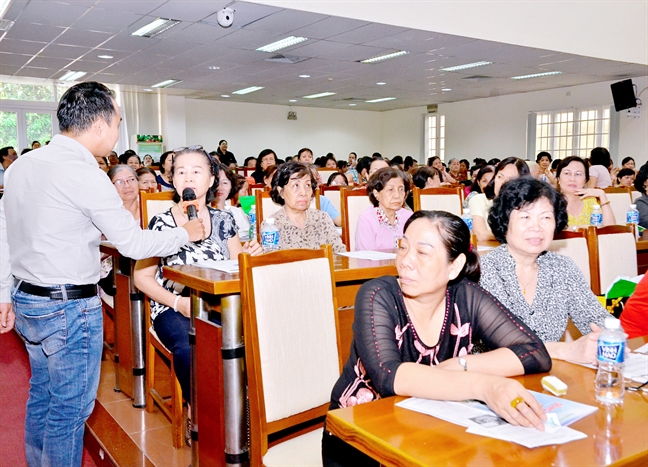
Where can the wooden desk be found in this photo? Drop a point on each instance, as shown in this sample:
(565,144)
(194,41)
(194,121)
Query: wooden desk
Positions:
(400,437)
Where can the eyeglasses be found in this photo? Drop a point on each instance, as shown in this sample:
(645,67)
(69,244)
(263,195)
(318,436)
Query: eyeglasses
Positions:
(121,183)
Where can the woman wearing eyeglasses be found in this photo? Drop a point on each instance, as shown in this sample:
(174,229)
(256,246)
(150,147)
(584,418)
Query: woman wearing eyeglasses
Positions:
(127,184)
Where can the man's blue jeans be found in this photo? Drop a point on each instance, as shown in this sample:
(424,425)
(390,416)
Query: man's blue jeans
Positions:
(64,340)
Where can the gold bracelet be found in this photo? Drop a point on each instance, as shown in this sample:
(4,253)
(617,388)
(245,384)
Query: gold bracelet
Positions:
(606,203)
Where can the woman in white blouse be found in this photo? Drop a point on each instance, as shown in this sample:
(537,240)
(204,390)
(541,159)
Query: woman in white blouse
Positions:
(599,171)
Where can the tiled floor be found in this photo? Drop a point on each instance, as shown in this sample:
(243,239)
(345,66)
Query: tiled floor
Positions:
(151,432)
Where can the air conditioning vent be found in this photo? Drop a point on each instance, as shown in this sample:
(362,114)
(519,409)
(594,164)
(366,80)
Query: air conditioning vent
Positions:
(477,78)
(280,58)
(5,24)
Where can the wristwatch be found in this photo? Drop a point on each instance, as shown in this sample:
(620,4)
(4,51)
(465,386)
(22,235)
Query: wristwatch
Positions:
(463,363)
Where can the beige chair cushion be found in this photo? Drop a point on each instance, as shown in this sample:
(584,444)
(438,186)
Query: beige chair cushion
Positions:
(576,249)
(619,202)
(635,195)
(297,336)
(155,207)
(617,257)
(302,451)
(356,205)
(334,197)
(449,203)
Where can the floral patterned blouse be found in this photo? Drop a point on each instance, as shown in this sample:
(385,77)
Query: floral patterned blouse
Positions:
(319,230)
(384,337)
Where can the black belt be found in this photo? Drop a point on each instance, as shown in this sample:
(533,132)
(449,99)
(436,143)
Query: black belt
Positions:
(72,292)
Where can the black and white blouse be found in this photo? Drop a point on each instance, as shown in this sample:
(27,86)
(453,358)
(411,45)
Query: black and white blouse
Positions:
(213,248)
(561,292)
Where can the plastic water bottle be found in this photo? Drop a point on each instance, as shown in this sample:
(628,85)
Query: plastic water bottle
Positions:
(632,217)
(609,386)
(252,216)
(269,235)
(596,218)
(467,218)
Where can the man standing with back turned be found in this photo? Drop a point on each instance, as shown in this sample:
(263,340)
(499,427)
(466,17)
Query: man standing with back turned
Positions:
(56,205)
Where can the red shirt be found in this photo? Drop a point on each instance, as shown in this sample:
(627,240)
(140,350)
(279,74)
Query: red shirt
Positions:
(634,317)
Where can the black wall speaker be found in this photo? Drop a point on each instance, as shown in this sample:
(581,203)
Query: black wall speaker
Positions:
(623,95)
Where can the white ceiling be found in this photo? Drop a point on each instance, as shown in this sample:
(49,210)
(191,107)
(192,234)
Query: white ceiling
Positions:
(50,37)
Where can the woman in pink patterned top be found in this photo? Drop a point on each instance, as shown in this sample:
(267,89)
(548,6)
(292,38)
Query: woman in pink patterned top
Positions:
(412,336)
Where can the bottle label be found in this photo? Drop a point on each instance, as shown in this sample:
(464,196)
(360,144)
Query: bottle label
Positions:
(270,238)
(469,222)
(596,219)
(611,352)
(632,217)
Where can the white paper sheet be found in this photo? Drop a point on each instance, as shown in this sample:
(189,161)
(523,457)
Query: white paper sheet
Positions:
(370,255)
(528,437)
(229,266)
(485,248)
(642,349)
(636,367)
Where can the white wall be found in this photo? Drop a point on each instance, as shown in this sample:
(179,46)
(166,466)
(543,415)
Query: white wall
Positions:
(402,133)
(250,128)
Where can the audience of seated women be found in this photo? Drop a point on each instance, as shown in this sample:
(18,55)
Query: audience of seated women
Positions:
(426,177)
(228,187)
(147,180)
(381,226)
(170,303)
(599,170)
(412,335)
(479,205)
(542,288)
(641,185)
(165,178)
(437,164)
(479,182)
(293,188)
(265,159)
(573,177)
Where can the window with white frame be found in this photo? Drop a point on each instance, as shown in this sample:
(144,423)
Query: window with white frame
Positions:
(569,132)
(436,136)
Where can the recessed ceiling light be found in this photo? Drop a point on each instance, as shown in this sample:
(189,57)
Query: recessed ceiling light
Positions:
(382,99)
(282,44)
(240,92)
(155,27)
(446,89)
(466,66)
(538,75)
(380,84)
(166,83)
(106,57)
(380,58)
(304,76)
(214,67)
(352,105)
(292,100)
(321,94)
(73,75)
(148,90)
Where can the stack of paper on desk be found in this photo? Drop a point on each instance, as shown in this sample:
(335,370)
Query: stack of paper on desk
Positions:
(480,420)
(229,266)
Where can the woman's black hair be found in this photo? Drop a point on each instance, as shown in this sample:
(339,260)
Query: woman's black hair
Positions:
(123,159)
(431,160)
(519,193)
(626,160)
(541,155)
(258,170)
(408,163)
(145,170)
(222,141)
(455,237)
(640,179)
(231,176)
(474,187)
(283,175)
(494,161)
(396,160)
(336,174)
(380,178)
(213,168)
(422,174)
(521,166)
(163,159)
(248,159)
(342,164)
(568,160)
(363,164)
(600,156)
(555,163)
(466,163)
(624,173)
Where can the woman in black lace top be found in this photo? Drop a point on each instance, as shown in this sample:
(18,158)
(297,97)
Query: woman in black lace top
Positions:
(413,335)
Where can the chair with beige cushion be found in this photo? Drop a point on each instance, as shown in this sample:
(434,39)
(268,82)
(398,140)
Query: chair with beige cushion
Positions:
(615,248)
(152,204)
(352,204)
(438,199)
(292,351)
(332,193)
(620,199)
(574,245)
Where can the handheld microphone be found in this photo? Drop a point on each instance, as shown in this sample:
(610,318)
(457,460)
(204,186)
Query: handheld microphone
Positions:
(189,203)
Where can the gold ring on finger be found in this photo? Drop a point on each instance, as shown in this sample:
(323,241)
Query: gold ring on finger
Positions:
(516,401)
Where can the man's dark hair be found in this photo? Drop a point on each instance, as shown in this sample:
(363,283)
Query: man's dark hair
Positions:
(82,105)
(5,152)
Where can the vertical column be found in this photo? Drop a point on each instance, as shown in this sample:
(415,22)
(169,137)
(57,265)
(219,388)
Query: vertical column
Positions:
(196,309)
(137,342)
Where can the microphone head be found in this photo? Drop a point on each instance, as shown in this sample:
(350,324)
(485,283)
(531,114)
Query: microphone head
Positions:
(188,194)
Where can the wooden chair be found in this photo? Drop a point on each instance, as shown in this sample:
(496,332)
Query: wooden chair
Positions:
(352,203)
(257,187)
(575,246)
(635,194)
(171,406)
(292,351)
(615,250)
(438,199)
(265,207)
(152,204)
(620,199)
(332,193)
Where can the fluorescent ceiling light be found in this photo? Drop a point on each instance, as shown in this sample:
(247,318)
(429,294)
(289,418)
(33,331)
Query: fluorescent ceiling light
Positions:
(446,89)
(321,94)
(213,67)
(352,105)
(538,75)
(380,58)
(282,44)
(381,84)
(166,83)
(292,100)
(73,75)
(148,90)
(240,92)
(382,99)
(156,27)
(304,76)
(225,95)
(466,66)
(105,57)
(4,6)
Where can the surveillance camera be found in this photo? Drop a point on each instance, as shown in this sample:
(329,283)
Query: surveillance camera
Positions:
(225,17)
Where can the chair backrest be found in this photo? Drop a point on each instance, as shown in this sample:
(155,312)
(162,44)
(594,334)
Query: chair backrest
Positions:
(152,204)
(265,207)
(326,173)
(620,199)
(615,247)
(352,203)
(257,187)
(574,245)
(292,343)
(635,194)
(332,193)
(438,199)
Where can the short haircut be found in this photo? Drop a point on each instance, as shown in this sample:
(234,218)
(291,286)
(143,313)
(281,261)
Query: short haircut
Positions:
(247,160)
(474,187)
(334,175)
(303,150)
(519,193)
(568,160)
(270,170)
(465,161)
(145,170)
(283,175)
(380,178)
(363,164)
(555,163)
(543,154)
(431,160)
(422,174)
(396,160)
(521,166)
(163,159)
(231,176)
(123,159)
(455,236)
(222,141)
(600,156)
(640,179)
(624,173)
(408,163)
(342,164)
(5,151)
(626,160)
(115,169)
(211,192)
(82,105)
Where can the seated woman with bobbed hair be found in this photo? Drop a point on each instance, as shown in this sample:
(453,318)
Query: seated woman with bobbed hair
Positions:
(293,187)
(426,177)
(381,225)
(540,287)
(412,335)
